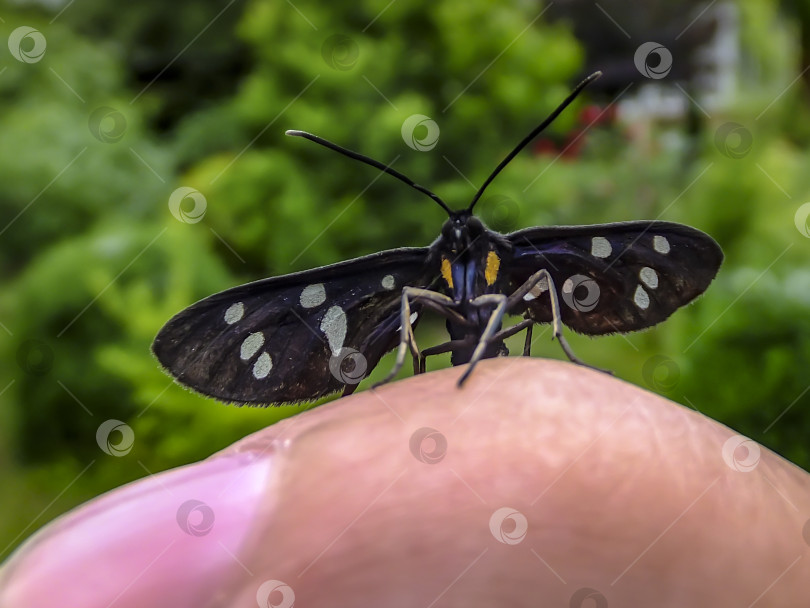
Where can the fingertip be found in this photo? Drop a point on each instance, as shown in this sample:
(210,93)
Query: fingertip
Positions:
(595,467)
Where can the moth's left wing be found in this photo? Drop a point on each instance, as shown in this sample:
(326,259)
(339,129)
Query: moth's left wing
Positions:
(613,277)
(295,337)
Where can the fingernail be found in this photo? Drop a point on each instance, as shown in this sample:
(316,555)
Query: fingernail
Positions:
(169,540)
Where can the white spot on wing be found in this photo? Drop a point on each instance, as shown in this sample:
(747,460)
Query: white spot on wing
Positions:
(313,295)
(537,290)
(251,345)
(234,313)
(649,277)
(568,286)
(600,247)
(262,366)
(661,244)
(333,325)
(388,281)
(641,298)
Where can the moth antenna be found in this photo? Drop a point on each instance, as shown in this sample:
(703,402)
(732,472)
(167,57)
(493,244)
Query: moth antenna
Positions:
(535,132)
(370,161)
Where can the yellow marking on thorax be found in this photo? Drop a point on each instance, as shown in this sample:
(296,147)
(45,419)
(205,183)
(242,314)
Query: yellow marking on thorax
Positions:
(447,272)
(493,265)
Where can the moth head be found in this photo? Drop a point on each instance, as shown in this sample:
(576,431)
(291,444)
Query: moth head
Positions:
(461,231)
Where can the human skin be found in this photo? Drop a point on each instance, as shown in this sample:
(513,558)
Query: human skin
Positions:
(541,483)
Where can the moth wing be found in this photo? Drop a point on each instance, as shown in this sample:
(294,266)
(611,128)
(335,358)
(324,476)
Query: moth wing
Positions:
(614,277)
(291,338)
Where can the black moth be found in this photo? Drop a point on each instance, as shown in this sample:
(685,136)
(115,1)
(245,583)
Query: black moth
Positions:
(305,335)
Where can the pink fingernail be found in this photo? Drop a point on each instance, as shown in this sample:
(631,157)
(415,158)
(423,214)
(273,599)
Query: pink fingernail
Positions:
(168,540)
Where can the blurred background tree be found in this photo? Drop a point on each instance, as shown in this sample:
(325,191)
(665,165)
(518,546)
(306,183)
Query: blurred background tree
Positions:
(129,102)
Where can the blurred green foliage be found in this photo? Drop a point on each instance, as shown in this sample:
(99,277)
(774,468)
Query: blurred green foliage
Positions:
(131,102)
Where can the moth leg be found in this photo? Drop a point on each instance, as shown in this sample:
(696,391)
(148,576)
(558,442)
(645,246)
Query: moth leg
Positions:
(532,282)
(451,345)
(441,304)
(526,324)
(556,316)
(348,389)
(415,354)
(515,329)
(494,322)
(527,345)
(407,340)
(447,347)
